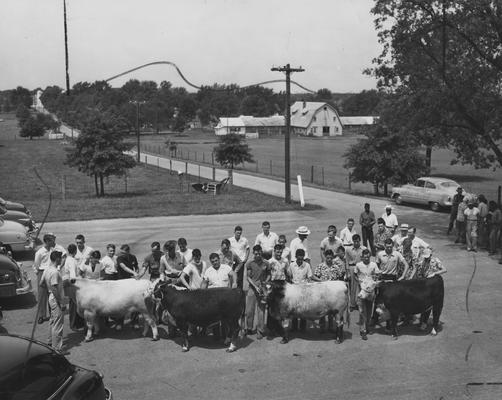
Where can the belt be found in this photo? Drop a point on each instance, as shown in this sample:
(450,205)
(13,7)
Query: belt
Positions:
(352,265)
(348,244)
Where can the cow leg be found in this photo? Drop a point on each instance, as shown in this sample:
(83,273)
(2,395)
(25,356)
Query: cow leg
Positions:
(233,333)
(424,318)
(393,324)
(436,313)
(149,321)
(283,331)
(183,327)
(339,328)
(89,321)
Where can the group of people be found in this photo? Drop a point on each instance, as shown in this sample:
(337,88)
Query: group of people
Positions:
(392,252)
(478,222)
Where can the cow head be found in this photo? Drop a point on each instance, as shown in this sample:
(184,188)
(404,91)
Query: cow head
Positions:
(368,286)
(273,290)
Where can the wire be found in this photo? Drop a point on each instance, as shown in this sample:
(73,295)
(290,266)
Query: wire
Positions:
(200,87)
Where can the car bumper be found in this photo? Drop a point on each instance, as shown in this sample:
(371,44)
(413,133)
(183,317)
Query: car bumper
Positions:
(10,289)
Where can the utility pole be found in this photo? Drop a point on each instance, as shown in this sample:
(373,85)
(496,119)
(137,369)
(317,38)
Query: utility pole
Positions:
(287,170)
(137,102)
(66,50)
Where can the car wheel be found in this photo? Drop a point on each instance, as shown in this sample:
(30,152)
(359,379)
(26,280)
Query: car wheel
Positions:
(398,199)
(435,206)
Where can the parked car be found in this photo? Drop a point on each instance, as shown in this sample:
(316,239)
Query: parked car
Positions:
(11,205)
(13,280)
(44,373)
(432,191)
(18,216)
(14,236)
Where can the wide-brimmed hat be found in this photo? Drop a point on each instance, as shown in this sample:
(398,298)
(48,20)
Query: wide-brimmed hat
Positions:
(388,206)
(404,227)
(303,230)
(50,234)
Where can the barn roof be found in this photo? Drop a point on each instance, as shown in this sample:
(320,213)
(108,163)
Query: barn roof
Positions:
(247,120)
(347,121)
(302,112)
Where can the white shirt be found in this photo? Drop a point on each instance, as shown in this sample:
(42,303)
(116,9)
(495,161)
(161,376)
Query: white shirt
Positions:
(390,220)
(267,243)
(296,244)
(218,278)
(83,256)
(109,264)
(239,247)
(69,270)
(187,254)
(346,235)
(195,277)
(43,257)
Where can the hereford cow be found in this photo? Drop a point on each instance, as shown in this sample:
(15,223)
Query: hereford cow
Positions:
(113,299)
(308,301)
(202,307)
(409,297)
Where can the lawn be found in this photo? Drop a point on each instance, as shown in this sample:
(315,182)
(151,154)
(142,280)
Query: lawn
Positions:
(145,192)
(321,159)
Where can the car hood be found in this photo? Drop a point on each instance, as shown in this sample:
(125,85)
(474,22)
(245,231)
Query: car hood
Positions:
(10,205)
(14,215)
(6,264)
(12,226)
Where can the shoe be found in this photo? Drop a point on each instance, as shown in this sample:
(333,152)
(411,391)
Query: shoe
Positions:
(259,336)
(363,335)
(474,250)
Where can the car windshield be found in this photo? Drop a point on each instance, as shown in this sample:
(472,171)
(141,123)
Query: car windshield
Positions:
(449,184)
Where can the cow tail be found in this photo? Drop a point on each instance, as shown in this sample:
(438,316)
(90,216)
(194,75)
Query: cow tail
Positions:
(346,317)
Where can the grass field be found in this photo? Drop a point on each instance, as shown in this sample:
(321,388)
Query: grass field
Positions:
(322,159)
(149,191)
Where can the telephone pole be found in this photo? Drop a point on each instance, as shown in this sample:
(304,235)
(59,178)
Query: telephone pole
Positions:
(137,125)
(287,171)
(66,51)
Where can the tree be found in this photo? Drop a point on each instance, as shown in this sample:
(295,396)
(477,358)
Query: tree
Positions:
(33,126)
(22,114)
(363,103)
(384,157)
(443,57)
(99,149)
(232,151)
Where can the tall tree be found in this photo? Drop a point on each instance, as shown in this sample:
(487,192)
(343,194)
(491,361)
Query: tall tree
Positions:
(99,149)
(443,57)
(232,150)
(384,157)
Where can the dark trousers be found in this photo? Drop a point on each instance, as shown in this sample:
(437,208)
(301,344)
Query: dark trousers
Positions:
(367,233)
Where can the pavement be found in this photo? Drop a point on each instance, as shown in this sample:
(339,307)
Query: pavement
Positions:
(463,361)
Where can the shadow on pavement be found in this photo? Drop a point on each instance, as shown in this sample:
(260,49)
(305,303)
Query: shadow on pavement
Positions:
(27,300)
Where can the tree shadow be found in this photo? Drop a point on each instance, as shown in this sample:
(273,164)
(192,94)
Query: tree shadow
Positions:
(465,178)
(23,301)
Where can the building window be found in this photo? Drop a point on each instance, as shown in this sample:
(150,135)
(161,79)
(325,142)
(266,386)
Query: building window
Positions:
(314,119)
(325,129)
(313,129)
(336,128)
(334,119)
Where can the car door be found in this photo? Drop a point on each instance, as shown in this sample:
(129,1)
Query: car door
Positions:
(430,192)
(417,194)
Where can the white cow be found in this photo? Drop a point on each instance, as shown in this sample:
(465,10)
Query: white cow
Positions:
(113,299)
(308,301)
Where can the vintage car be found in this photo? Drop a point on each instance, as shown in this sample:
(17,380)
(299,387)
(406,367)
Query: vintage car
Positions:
(19,216)
(13,280)
(14,236)
(11,205)
(432,191)
(43,373)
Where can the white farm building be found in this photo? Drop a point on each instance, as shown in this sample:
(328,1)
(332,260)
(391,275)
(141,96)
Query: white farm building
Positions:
(314,118)
(251,127)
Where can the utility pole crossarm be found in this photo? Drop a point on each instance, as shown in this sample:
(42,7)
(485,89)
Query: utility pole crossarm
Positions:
(287,178)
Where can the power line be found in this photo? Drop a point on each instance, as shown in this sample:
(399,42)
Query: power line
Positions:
(189,83)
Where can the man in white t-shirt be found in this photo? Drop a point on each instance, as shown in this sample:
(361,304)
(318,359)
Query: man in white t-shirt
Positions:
(267,240)
(301,242)
(330,242)
(390,219)
(219,275)
(83,251)
(347,233)
(191,276)
(471,226)
(184,250)
(109,263)
(240,246)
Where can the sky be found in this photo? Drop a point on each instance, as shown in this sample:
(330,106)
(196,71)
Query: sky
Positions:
(211,41)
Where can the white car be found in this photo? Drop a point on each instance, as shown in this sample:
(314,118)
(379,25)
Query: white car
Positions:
(432,191)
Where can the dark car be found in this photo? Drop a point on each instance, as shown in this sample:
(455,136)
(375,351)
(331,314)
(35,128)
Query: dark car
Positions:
(11,205)
(21,217)
(44,373)
(13,281)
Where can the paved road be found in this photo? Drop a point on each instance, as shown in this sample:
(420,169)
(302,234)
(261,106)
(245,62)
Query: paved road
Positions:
(417,366)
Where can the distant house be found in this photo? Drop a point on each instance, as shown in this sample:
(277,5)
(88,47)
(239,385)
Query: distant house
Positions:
(357,125)
(312,118)
(251,127)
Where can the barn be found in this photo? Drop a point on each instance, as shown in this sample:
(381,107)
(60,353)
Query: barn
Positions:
(312,118)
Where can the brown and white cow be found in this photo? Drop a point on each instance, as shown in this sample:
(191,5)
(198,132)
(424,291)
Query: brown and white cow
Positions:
(113,299)
(309,301)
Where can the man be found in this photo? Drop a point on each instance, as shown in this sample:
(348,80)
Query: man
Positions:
(381,235)
(367,220)
(460,221)
(151,262)
(417,244)
(429,266)
(219,275)
(494,223)
(457,199)
(301,272)
(354,256)
(41,262)
(347,233)
(471,226)
(331,242)
(301,242)
(184,250)
(258,272)
(279,266)
(482,223)
(227,256)
(389,261)
(110,263)
(286,251)
(83,251)
(364,269)
(240,246)
(390,219)
(400,236)
(53,282)
(172,262)
(267,240)
(191,276)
